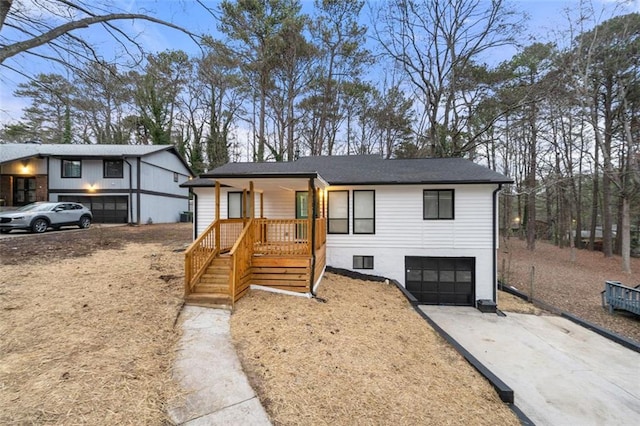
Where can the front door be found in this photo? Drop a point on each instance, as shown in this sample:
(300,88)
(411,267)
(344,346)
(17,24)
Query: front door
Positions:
(24,190)
(302,212)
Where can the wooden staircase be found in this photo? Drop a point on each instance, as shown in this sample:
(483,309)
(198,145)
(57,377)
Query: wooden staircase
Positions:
(213,289)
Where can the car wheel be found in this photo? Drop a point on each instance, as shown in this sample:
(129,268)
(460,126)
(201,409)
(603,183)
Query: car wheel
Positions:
(4,231)
(39,225)
(85,222)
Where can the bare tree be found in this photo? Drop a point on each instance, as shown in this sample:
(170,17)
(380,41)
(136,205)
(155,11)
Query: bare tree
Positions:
(23,28)
(433,42)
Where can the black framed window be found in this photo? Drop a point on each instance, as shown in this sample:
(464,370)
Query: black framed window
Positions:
(113,169)
(175,176)
(234,205)
(364,212)
(362,262)
(338,212)
(438,204)
(71,168)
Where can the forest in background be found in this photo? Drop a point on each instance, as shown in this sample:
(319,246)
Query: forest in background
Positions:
(398,78)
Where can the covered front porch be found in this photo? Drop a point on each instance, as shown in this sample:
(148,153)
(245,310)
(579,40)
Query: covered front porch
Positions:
(285,252)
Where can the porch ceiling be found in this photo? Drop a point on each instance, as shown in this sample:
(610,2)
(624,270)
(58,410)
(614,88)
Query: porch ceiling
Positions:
(269,184)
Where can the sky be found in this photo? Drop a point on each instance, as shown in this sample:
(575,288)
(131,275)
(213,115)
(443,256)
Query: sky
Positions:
(546,19)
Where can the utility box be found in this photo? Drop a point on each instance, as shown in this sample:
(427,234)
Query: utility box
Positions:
(487,306)
(186,217)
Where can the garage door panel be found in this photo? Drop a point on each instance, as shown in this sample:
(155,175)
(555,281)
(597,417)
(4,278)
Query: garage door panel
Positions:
(105,209)
(414,286)
(442,281)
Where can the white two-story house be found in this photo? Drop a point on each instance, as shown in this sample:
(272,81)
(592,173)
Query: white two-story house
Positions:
(430,224)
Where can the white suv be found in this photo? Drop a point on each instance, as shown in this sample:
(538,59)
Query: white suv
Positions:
(38,217)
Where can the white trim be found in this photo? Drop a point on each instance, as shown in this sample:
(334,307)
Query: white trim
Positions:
(317,284)
(279,291)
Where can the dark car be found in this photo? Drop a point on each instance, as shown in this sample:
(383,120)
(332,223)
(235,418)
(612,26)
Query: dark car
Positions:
(38,217)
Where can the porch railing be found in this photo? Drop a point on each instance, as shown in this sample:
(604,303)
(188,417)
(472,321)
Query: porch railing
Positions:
(282,237)
(241,255)
(244,238)
(321,232)
(219,237)
(618,296)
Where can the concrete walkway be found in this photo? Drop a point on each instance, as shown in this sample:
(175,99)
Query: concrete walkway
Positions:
(561,373)
(217,390)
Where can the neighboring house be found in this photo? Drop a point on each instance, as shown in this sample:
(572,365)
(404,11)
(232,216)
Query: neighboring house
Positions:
(430,224)
(119,183)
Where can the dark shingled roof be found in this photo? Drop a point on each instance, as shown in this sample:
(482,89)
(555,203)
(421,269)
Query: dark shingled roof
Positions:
(369,169)
(199,181)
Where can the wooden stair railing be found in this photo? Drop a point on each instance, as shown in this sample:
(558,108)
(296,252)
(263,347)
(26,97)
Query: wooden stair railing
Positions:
(219,237)
(241,255)
(199,255)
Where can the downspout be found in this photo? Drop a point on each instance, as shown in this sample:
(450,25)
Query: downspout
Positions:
(312,194)
(194,216)
(138,173)
(495,243)
(130,190)
(48,182)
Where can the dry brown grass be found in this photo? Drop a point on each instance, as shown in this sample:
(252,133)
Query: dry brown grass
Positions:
(510,303)
(572,287)
(363,357)
(88,340)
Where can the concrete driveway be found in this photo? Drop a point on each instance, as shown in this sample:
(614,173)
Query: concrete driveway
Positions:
(561,373)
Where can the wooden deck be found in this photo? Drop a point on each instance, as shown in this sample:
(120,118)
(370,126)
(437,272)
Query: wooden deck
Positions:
(275,253)
(618,296)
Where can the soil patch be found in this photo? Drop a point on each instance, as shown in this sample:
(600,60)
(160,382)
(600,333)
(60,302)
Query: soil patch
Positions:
(87,324)
(572,287)
(360,356)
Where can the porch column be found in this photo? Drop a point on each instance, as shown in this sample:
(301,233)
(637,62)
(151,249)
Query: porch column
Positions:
(262,205)
(311,213)
(252,199)
(217,217)
(244,207)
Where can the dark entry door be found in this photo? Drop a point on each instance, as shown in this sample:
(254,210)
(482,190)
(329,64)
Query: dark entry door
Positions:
(24,190)
(441,280)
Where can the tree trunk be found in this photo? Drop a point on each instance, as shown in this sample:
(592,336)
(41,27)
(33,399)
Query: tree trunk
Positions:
(625,236)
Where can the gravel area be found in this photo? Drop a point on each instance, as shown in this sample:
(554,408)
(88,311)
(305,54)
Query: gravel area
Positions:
(571,286)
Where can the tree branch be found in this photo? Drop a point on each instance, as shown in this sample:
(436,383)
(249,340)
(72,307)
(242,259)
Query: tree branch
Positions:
(22,46)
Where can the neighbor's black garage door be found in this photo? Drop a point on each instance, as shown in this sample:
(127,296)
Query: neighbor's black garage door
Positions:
(441,280)
(105,209)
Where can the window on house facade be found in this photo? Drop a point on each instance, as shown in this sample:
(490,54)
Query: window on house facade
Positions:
(71,168)
(438,204)
(175,177)
(338,212)
(234,205)
(362,262)
(113,169)
(364,215)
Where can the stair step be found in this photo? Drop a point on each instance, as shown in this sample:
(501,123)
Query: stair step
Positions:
(208,300)
(211,288)
(220,279)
